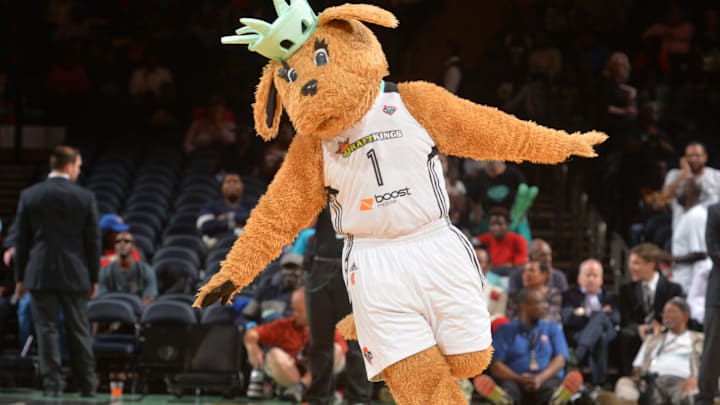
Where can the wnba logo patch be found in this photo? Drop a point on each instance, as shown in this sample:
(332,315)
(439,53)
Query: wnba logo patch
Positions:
(367,354)
(389,109)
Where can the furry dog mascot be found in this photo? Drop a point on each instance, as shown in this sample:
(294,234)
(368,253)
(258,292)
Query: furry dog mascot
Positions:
(370,148)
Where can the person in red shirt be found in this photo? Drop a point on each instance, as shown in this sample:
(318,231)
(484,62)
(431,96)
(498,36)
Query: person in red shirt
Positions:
(505,248)
(280,348)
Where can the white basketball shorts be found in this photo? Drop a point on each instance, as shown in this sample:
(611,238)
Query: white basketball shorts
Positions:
(412,292)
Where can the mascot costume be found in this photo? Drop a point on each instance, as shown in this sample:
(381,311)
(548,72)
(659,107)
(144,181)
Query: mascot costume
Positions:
(369,149)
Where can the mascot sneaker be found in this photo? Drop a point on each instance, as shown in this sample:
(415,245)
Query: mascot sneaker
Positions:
(487,388)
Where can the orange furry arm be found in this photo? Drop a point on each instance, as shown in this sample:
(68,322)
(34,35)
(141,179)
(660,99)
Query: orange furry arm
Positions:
(293,199)
(463,128)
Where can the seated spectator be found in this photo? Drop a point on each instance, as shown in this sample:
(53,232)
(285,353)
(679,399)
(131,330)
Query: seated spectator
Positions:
(590,317)
(642,301)
(482,255)
(279,349)
(147,79)
(692,168)
(495,186)
(540,250)
(127,274)
(506,248)
(529,359)
(496,294)
(110,225)
(211,125)
(535,277)
(26,327)
(271,300)
(668,360)
(226,217)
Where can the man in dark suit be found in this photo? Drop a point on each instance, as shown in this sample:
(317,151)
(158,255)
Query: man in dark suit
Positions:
(710,367)
(57,259)
(327,303)
(589,318)
(642,301)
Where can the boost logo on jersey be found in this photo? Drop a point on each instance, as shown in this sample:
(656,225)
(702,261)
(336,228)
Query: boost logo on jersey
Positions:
(383,200)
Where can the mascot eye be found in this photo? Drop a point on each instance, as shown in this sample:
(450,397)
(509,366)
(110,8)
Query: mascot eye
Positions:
(321,57)
(288,73)
(291,75)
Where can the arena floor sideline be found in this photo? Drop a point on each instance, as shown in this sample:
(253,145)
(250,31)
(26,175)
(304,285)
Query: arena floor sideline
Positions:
(33,397)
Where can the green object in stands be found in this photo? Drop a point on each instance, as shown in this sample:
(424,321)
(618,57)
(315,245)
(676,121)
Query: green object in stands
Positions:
(523,201)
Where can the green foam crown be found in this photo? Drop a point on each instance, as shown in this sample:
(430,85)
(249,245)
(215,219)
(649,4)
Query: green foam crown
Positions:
(296,22)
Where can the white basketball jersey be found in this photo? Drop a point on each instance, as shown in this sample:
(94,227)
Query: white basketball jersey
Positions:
(384,175)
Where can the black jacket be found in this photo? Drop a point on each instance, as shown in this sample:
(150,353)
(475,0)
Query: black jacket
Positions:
(632,310)
(58,244)
(574,298)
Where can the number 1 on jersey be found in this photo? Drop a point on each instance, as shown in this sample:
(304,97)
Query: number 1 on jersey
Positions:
(376,167)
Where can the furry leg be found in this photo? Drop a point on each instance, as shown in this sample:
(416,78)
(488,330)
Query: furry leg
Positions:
(346,327)
(469,365)
(422,379)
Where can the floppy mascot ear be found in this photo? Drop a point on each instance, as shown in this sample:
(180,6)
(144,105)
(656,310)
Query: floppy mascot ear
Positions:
(267,108)
(361,12)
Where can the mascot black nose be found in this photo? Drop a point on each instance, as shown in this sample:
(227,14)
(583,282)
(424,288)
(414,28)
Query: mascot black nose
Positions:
(310,88)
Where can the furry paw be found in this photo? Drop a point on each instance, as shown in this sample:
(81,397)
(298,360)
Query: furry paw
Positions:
(216,289)
(346,327)
(583,145)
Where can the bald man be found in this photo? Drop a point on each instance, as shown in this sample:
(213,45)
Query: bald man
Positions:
(589,318)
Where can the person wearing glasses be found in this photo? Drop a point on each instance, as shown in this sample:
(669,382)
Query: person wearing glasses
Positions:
(668,361)
(126,274)
(110,226)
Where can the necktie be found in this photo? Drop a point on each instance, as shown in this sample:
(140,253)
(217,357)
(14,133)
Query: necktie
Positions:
(647,298)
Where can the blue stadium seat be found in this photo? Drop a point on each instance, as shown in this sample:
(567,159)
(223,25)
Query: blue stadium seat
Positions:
(177,252)
(188,242)
(147,207)
(145,245)
(144,218)
(218,314)
(133,300)
(114,350)
(176,276)
(164,335)
(182,229)
(151,198)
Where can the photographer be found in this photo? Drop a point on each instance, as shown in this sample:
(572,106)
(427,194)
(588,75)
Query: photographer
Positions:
(666,367)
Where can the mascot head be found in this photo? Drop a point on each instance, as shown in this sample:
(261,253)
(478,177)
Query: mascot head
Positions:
(325,69)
